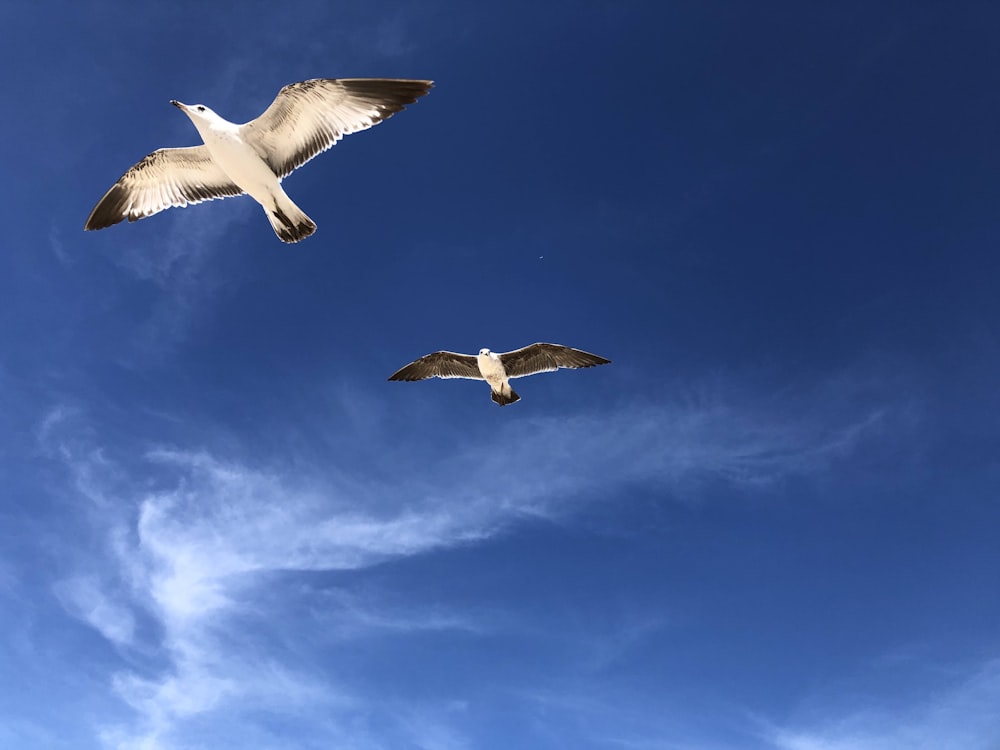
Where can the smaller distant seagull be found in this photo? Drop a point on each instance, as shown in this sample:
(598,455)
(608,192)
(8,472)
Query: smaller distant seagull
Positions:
(497,369)
(305,119)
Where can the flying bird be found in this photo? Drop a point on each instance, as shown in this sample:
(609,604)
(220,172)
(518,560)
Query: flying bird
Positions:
(497,369)
(305,119)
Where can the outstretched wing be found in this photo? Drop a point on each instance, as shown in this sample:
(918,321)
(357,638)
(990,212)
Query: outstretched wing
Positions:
(440,365)
(546,358)
(167,177)
(308,117)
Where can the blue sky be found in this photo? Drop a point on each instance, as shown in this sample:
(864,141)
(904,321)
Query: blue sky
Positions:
(770,524)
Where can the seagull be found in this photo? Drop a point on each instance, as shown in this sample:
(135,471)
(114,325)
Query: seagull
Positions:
(497,369)
(305,119)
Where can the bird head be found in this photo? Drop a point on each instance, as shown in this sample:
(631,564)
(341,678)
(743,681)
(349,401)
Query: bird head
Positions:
(199,113)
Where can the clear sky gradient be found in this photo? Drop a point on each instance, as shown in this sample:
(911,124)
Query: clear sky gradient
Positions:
(770,524)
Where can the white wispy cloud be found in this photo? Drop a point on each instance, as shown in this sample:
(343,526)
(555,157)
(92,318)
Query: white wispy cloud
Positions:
(86,598)
(429,730)
(58,247)
(193,537)
(962,714)
(608,720)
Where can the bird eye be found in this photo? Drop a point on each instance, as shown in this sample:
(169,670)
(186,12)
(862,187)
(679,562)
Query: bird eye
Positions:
(201,108)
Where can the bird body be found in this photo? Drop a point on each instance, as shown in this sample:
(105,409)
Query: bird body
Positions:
(498,369)
(305,119)
(241,162)
(493,372)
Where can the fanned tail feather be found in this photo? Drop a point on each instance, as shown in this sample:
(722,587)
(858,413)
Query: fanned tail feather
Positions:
(290,223)
(502,398)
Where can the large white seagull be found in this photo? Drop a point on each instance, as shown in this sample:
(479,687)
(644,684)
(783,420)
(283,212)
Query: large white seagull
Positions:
(305,119)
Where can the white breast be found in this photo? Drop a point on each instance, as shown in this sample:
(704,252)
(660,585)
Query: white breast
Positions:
(239,160)
(491,368)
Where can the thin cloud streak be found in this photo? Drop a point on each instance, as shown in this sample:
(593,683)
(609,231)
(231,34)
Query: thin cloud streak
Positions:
(350,615)
(84,597)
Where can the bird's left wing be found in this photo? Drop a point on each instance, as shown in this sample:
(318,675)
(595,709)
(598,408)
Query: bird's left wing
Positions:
(546,358)
(167,177)
(308,117)
(440,365)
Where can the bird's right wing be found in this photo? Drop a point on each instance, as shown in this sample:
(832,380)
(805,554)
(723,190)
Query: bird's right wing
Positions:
(308,117)
(167,177)
(540,357)
(440,365)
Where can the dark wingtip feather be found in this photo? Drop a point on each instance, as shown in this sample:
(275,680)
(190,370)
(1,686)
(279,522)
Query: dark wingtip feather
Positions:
(392,94)
(596,360)
(407,374)
(109,210)
(574,358)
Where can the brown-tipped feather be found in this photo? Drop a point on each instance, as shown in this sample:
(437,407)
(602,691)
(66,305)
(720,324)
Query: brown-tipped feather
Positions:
(109,210)
(308,117)
(165,178)
(545,358)
(440,365)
